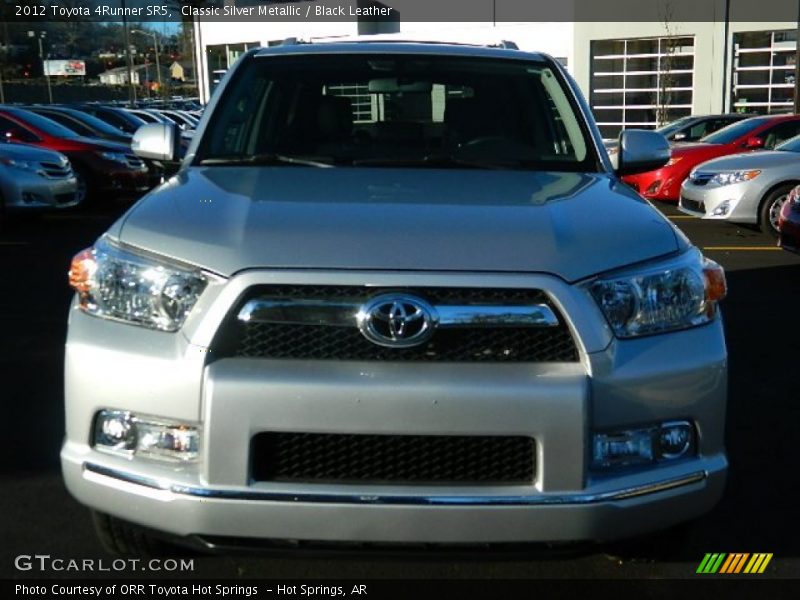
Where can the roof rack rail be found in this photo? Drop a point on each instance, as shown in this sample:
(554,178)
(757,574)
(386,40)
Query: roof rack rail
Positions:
(393,38)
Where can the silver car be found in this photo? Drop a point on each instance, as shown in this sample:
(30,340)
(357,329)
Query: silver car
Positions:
(745,188)
(373,307)
(32,179)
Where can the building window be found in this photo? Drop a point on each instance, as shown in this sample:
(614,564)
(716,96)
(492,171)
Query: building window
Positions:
(221,57)
(641,83)
(763,71)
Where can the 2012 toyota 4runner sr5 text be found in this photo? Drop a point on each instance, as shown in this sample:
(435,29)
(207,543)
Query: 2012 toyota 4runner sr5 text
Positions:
(395,293)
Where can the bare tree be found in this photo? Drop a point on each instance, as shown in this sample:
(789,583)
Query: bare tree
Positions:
(666,78)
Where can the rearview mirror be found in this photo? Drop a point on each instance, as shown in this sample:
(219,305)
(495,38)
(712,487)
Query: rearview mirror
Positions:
(157,141)
(641,151)
(681,135)
(390,85)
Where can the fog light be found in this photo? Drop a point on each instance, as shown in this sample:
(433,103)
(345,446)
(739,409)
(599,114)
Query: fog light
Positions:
(675,439)
(122,433)
(666,441)
(722,209)
(623,448)
(653,187)
(114,431)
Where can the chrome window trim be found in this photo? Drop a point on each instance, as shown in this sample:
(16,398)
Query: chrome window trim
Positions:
(412,500)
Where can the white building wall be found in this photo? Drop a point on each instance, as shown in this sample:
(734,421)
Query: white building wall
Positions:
(552,38)
(712,69)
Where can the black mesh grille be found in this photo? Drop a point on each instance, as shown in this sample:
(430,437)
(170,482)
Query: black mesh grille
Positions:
(418,459)
(321,342)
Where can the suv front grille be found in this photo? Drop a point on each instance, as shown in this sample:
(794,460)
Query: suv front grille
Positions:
(397,459)
(463,344)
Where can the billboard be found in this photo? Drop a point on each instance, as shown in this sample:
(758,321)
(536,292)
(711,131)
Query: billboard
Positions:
(60,68)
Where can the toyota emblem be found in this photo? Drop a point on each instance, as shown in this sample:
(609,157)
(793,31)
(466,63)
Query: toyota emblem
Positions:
(397,321)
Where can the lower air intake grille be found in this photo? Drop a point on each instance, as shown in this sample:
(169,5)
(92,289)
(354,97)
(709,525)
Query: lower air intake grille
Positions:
(396,459)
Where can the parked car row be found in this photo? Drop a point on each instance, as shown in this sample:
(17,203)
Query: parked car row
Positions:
(721,176)
(58,156)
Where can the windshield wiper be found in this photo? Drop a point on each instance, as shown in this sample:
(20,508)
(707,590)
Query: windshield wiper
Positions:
(434,161)
(266,159)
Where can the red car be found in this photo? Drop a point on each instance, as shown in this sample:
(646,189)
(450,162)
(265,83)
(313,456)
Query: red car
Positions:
(789,222)
(100,166)
(755,133)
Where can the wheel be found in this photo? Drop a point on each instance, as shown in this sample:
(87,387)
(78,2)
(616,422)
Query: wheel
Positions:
(120,538)
(770,209)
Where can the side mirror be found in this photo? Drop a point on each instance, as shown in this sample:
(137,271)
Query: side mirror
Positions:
(157,141)
(754,143)
(641,151)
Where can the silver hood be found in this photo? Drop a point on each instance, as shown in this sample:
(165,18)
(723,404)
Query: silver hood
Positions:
(763,159)
(16,151)
(227,219)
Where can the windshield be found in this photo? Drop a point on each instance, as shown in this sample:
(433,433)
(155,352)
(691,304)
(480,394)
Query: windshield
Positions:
(94,122)
(399,110)
(791,145)
(731,133)
(44,124)
(671,128)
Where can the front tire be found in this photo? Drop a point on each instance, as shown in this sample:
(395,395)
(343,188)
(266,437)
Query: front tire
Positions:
(770,209)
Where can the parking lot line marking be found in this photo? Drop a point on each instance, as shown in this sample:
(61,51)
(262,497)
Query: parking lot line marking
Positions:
(745,248)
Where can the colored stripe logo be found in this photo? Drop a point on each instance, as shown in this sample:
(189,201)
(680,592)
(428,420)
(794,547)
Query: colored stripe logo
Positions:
(735,563)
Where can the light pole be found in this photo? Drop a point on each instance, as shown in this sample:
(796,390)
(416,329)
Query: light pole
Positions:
(40,36)
(128,57)
(155,45)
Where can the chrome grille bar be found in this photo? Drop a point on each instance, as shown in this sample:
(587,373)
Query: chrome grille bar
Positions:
(344,314)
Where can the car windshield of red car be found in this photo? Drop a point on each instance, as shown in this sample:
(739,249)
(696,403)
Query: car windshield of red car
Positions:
(731,133)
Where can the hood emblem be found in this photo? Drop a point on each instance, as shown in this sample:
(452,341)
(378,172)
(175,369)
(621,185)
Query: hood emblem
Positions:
(396,320)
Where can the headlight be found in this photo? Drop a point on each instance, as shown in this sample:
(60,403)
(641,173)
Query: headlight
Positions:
(731,177)
(25,165)
(676,295)
(116,284)
(114,157)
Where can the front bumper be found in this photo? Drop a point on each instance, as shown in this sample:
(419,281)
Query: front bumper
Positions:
(737,203)
(112,177)
(789,226)
(616,384)
(662,184)
(29,192)
(601,513)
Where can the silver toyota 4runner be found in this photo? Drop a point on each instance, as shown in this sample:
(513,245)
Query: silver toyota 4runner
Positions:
(395,293)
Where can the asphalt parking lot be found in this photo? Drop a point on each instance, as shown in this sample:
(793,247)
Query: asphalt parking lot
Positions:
(758,513)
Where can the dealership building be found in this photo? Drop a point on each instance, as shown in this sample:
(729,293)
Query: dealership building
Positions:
(634,74)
